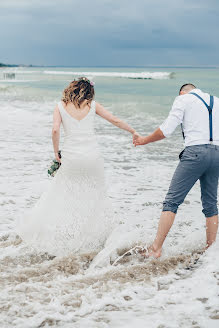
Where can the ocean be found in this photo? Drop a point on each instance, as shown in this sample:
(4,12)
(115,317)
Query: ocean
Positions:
(37,290)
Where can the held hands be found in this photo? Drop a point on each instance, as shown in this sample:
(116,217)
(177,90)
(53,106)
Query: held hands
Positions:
(139,140)
(155,136)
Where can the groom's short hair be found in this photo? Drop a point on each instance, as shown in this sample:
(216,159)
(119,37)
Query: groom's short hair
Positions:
(187,87)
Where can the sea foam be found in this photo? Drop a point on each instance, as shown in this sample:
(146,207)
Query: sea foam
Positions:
(128,75)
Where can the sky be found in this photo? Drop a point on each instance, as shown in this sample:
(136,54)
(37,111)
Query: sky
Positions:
(110,32)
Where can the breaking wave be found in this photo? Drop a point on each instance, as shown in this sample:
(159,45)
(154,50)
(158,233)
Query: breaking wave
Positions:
(127,75)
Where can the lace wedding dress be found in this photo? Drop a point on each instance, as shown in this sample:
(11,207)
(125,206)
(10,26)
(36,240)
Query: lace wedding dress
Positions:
(74,214)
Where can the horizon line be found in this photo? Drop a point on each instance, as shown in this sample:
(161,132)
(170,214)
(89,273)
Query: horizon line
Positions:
(110,66)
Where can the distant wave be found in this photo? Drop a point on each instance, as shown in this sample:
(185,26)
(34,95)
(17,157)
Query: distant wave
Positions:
(128,75)
(18,71)
(16,81)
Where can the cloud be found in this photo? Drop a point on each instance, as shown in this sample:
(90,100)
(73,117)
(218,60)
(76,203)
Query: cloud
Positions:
(102,32)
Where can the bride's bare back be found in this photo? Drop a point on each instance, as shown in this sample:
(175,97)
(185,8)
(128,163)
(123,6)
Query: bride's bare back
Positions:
(77,113)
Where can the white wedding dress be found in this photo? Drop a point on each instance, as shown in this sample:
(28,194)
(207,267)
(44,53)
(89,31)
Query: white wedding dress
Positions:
(74,214)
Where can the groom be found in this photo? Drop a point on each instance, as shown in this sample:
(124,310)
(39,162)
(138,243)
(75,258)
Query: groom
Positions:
(198,114)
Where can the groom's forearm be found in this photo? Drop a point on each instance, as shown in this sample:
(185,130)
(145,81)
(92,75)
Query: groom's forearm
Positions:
(155,136)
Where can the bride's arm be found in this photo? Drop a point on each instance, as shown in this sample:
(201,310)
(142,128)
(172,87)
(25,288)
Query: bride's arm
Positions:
(56,131)
(101,111)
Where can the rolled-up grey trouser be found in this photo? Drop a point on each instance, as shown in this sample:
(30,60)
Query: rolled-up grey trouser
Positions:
(199,162)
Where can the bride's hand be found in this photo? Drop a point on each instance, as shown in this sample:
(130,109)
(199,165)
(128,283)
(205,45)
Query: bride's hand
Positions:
(57,157)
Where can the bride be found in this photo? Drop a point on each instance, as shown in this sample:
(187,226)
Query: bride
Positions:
(74,214)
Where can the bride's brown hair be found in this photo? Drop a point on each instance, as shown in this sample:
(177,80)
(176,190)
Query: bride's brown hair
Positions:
(78,91)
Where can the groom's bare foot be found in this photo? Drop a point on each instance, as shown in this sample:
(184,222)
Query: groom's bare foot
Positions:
(151,251)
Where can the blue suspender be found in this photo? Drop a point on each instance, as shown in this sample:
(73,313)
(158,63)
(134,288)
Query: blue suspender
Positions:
(210,108)
(210,117)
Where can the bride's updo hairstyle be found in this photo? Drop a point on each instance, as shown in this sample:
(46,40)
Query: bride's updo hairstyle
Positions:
(78,91)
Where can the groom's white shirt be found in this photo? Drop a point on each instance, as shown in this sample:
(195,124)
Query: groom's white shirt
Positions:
(193,114)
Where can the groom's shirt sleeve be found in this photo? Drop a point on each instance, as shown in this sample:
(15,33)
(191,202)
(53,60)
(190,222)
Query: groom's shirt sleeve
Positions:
(174,118)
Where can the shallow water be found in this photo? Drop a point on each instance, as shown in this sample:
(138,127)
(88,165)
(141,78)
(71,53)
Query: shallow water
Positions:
(37,290)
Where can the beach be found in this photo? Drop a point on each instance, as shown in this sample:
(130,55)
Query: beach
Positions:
(37,290)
